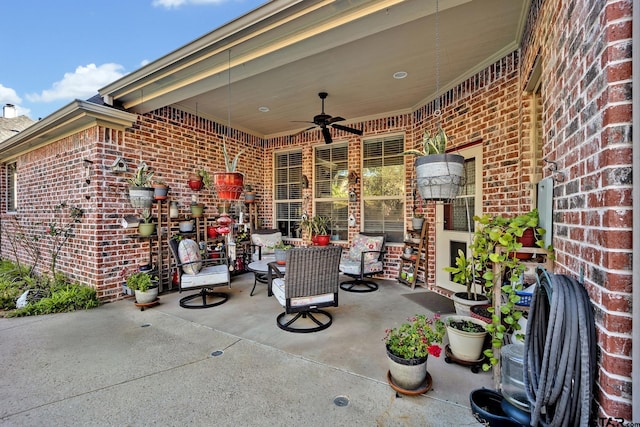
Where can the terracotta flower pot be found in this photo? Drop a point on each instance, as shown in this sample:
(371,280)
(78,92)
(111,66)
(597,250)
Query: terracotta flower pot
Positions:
(228,185)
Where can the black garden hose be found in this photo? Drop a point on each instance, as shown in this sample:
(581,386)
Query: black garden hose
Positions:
(560,353)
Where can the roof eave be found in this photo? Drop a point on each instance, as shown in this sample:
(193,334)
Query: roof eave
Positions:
(69,119)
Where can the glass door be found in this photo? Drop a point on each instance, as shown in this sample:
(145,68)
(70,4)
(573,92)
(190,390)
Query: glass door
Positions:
(454,222)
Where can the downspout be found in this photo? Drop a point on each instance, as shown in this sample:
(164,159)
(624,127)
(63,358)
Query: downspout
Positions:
(635,139)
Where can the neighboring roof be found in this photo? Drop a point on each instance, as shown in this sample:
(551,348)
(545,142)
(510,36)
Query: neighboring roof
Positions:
(11,126)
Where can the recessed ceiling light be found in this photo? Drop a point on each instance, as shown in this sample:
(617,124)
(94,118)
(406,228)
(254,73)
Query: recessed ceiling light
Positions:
(263,109)
(399,75)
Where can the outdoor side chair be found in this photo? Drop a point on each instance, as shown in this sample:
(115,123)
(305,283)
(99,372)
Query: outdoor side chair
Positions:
(310,283)
(197,273)
(362,260)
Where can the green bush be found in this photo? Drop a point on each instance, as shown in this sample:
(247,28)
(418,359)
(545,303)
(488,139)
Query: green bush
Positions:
(46,295)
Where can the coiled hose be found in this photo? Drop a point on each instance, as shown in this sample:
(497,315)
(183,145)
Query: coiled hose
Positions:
(560,352)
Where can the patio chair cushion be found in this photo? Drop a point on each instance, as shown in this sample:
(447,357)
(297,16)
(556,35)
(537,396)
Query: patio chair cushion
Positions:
(363,243)
(278,290)
(211,275)
(189,254)
(266,242)
(351,266)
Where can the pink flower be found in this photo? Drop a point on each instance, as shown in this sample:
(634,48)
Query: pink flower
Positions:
(434,350)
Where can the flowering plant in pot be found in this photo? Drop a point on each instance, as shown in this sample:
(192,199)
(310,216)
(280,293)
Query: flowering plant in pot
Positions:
(408,347)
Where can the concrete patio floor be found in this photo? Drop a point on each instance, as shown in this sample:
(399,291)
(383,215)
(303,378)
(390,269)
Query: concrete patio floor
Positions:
(119,366)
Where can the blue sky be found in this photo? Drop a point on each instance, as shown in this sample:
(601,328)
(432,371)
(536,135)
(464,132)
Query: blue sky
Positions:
(55,51)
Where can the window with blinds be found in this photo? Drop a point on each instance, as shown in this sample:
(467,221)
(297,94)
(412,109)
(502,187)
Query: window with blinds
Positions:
(383,177)
(455,214)
(288,192)
(12,187)
(331,187)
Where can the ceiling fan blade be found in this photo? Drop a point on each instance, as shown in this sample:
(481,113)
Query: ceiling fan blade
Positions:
(348,129)
(336,119)
(327,135)
(303,131)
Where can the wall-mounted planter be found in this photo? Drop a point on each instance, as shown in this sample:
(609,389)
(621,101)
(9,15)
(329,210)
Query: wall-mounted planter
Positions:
(141,197)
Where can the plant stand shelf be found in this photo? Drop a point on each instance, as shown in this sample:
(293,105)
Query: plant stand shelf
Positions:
(411,264)
(547,263)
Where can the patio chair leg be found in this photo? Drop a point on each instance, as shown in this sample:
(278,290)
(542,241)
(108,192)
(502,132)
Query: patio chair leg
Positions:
(305,314)
(358,285)
(220,298)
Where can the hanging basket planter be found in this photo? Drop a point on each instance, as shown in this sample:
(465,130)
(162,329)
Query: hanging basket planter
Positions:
(439,176)
(228,185)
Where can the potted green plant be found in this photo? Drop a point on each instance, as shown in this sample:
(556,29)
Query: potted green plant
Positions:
(416,221)
(146,227)
(280,251)
(141,193)
(439,175)
(160,189)
(197,209)
(144,285)
(408,347)
(466,337)
(229,184)
(466,273)
(199,179)
(249,194)
(320,227)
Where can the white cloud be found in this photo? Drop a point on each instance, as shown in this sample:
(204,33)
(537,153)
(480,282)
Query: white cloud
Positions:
(144,62)
(168,4)
(84,82)
(8,96)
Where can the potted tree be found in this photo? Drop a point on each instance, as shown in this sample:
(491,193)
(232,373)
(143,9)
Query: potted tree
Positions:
(229,184)
(144,285)
(146,227)
(408,347)
(467,272)
(141,193)
(439,175)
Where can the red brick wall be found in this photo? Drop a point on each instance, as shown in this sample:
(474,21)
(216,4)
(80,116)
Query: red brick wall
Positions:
(585,52)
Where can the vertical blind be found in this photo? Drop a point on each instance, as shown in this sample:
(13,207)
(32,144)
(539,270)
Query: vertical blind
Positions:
(288,192)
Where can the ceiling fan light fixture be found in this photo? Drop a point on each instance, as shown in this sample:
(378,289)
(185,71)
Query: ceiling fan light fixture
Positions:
(400,75)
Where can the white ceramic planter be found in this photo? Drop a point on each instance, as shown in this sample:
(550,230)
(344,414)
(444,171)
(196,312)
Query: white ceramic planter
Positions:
(408,374)
(463,306)
(466,346)
(439,176)
(147,296)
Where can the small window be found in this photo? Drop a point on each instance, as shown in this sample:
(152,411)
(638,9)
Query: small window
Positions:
(383,190)
(331,187)
(12,187)
(288,192)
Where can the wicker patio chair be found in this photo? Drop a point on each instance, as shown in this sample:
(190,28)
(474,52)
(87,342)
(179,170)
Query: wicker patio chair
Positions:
(203,274)
(310,283)
(363,259)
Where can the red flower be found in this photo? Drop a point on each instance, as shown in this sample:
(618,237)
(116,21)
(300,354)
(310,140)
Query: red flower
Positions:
(434,350)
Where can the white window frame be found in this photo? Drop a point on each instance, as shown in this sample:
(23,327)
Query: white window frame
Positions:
(12,187)
(339,230)
(292,221)
(399,234)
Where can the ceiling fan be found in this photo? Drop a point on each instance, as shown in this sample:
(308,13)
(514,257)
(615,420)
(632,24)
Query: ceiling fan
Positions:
(324,120)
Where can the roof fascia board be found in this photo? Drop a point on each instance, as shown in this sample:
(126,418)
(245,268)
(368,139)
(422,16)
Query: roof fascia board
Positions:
(136,80)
